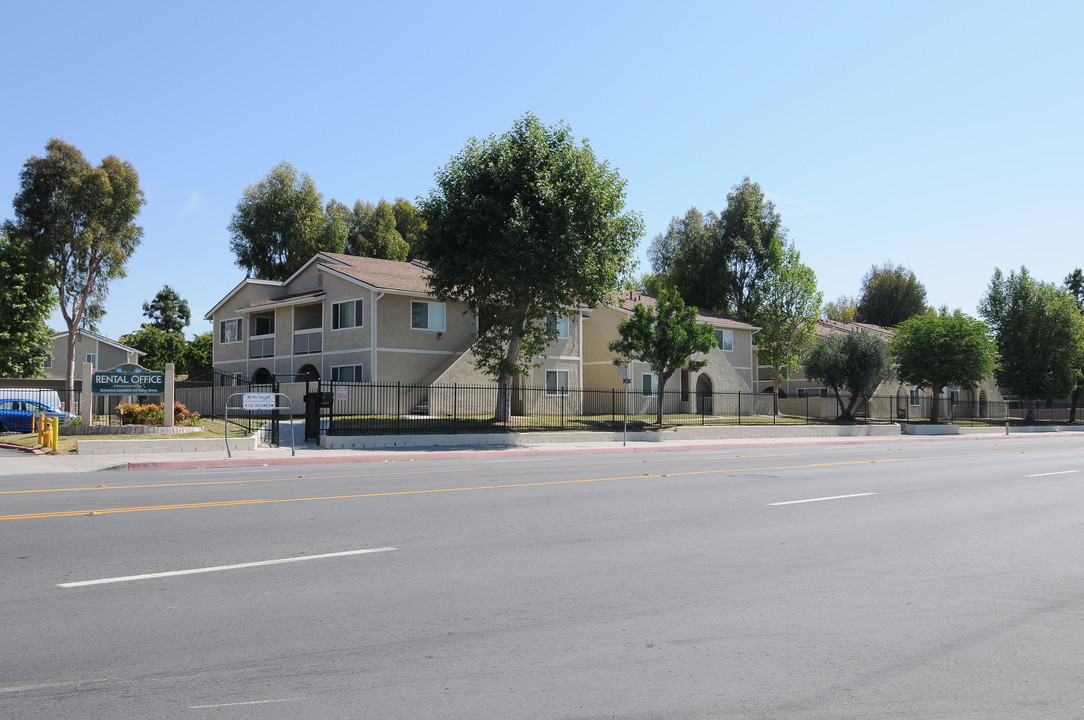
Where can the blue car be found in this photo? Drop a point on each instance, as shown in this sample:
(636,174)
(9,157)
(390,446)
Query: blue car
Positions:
(15,415)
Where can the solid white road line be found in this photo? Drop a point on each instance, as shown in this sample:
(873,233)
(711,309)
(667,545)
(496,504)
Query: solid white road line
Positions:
(820,499)
(238,566)
(236,704)
(1060,472)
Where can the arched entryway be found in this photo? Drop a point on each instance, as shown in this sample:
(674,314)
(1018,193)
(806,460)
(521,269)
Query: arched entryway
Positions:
(984,408)
(704,391)
(308,373)
(262,376)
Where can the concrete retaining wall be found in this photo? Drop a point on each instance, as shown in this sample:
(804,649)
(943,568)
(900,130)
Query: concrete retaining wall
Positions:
(180,445)
(374,442)
(69,430)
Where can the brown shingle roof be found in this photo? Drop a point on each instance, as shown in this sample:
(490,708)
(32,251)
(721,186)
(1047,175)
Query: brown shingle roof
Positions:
(629,299)
(383,274)
(284,299)
(834,327)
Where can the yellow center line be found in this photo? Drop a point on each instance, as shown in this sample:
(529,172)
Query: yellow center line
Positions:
(248,481)
(473,488)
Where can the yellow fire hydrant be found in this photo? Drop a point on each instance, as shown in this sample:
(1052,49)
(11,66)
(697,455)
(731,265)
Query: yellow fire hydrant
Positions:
(45,437)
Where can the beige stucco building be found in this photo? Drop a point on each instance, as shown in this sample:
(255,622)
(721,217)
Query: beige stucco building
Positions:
(98,350)
(353,320)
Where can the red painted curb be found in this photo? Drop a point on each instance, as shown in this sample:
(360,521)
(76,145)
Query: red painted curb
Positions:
(412,454)
(22,448)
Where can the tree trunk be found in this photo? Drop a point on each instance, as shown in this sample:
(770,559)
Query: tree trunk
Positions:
(844,413)
(1074,401)
(935,407)
(775,391)
(69,378)
(663,378)
(503,411)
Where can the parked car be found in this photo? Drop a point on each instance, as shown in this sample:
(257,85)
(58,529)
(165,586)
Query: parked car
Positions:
(15,414)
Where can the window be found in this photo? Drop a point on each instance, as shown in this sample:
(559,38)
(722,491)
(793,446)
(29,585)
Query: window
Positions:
(557,382)
(229,331)
(263,324)
(649,384)
(348,373)
(557,324)
(346,315)
(725,339)
(92,358)
(954,397)
(48,362)
(427,316)
(913,399)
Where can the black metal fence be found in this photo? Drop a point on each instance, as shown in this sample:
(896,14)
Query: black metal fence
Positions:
(207,394)
(403,408)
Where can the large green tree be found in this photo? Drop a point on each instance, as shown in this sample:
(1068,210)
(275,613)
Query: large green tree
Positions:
(890,294)
(521,226)
(168,311)
(280,223)
(854,363)
(373,232)
(718,261)
(666,337)
(81,220)
(1040,336)
(786,308)
(27,299)
(938,351)
(843,309)
(160,346)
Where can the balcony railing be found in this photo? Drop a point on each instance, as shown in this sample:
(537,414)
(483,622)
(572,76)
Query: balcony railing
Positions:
(308,341)
(261,347)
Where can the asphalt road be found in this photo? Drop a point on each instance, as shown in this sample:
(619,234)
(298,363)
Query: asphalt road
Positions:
(918,580)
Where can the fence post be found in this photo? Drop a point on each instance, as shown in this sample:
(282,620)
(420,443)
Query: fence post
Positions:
(455,408)
(398,399)
(739,407)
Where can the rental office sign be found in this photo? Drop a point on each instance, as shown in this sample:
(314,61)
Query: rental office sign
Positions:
(129,379)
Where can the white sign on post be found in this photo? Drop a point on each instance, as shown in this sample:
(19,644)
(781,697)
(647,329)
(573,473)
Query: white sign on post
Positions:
(258,401)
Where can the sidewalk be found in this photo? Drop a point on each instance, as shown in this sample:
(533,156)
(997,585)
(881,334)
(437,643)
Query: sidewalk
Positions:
(27,463)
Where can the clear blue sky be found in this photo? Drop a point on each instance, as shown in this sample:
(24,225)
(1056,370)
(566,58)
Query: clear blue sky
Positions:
(946,136)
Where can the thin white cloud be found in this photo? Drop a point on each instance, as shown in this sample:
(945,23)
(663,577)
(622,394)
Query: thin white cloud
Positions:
(194,201)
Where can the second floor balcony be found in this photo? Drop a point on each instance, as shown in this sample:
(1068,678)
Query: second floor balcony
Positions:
(308,341)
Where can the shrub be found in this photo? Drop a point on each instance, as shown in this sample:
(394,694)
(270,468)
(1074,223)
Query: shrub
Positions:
(151,414)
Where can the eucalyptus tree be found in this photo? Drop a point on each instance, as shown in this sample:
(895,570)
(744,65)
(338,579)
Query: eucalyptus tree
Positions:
(81,220)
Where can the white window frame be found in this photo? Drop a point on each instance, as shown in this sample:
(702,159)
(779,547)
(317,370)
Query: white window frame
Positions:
(262,316)
(724,339)
(48,364)
(433,319)
(358,371)
(653,383)
(557,389)
(239,334)
(359,314)
(92,358)
(913,398)
(559,324)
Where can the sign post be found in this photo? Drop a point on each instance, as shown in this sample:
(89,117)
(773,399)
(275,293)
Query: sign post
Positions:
(623,371)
